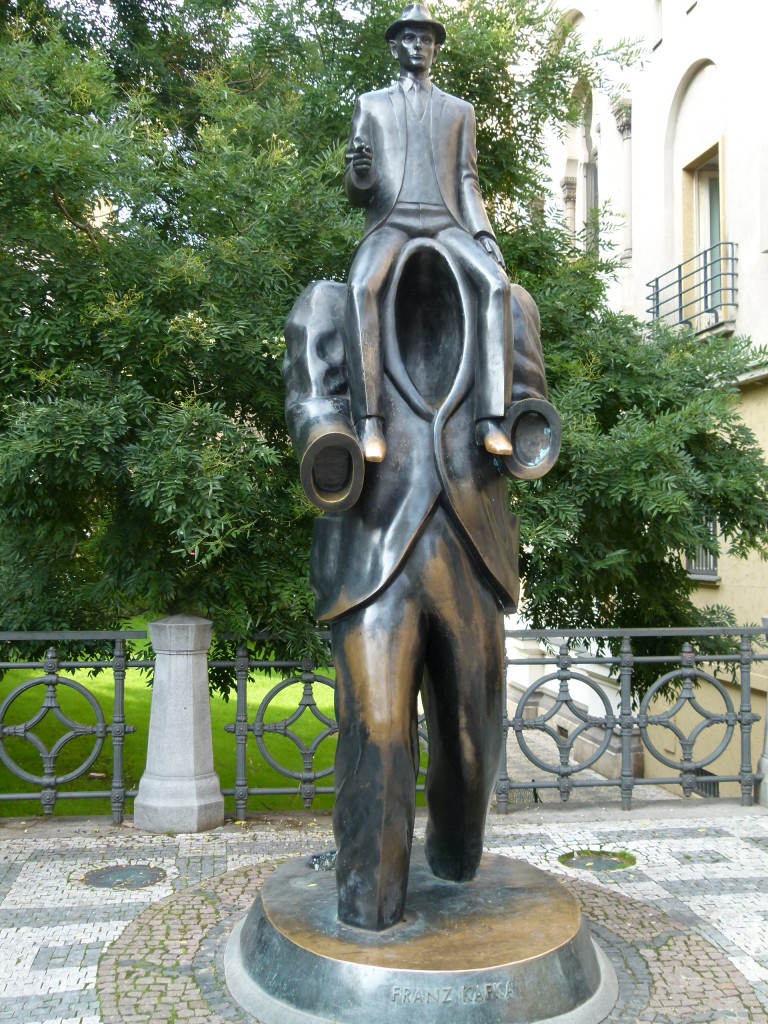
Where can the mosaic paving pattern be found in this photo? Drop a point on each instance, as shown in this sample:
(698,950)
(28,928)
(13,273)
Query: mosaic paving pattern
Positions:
(686,927)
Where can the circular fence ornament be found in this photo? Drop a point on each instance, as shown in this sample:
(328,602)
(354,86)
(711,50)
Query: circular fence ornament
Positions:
(76,730)
(545,724)
(689,675)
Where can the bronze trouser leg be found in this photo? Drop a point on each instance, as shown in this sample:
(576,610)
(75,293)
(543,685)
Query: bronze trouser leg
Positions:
(378,653)
(368,276)
(495,322)
(463,696)
(436,614)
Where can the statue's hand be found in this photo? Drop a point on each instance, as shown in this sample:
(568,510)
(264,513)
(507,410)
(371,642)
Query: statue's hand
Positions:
(490,246)
(361,158)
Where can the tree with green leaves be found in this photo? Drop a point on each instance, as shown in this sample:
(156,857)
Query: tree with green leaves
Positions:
(171,180)
(144,464)
(654,450)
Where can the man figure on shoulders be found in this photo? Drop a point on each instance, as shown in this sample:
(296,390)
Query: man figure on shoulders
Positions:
(412,164)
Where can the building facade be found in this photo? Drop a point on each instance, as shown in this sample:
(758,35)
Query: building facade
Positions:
(682,157)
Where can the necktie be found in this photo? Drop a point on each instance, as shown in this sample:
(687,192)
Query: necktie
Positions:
(417,99)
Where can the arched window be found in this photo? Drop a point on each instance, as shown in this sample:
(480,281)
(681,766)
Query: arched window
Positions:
(700,289)
(579,184)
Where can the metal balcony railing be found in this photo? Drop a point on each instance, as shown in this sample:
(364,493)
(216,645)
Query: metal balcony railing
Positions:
(703,566)
(701,292)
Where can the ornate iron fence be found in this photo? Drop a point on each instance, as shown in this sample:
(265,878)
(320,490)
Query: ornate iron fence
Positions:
(621,716)
(681,674)
(48,782)
(308,781)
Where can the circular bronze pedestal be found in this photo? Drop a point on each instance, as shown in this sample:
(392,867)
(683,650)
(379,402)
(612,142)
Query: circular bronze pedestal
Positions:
(508,947)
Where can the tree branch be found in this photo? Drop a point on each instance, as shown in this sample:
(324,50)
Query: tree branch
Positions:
(86,228)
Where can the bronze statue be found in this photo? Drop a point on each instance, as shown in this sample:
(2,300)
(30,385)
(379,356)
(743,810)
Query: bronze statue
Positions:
(412,393)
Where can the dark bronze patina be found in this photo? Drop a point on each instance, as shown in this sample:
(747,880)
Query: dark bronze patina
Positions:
(412,394)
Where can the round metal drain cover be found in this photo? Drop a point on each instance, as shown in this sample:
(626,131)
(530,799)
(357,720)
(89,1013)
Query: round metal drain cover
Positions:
(124,876)
(598,860)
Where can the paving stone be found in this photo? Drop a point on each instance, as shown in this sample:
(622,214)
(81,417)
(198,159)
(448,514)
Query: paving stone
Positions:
(686,928)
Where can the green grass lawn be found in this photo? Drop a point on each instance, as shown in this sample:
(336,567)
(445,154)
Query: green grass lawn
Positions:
(138,694)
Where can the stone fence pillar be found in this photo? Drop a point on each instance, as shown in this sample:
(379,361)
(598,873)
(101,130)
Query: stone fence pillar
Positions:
(179,790)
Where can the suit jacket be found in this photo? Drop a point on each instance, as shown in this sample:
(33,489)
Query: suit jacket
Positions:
(431,456)
(379,121)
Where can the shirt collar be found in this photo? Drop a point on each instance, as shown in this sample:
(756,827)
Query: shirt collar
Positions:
(411,83)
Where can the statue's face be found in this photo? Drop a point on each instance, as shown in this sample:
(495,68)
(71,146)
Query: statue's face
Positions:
(415,49)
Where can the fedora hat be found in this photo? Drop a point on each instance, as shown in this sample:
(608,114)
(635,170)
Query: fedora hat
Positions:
(416,14)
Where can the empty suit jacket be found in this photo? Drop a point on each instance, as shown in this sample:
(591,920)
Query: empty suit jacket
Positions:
(432,456)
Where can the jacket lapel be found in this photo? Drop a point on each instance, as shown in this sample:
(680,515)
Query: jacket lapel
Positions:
(446,185)
(398,109)
(438,102)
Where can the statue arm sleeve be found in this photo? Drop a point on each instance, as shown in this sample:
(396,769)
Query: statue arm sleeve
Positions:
(317,398)
(528,377)
(532,422)
(470,196)
(359,190)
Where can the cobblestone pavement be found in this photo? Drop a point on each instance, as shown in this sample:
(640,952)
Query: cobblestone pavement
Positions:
(686,927)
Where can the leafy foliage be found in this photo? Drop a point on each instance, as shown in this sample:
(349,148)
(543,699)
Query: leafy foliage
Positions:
(171,180)
(144,466)
(653,451)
